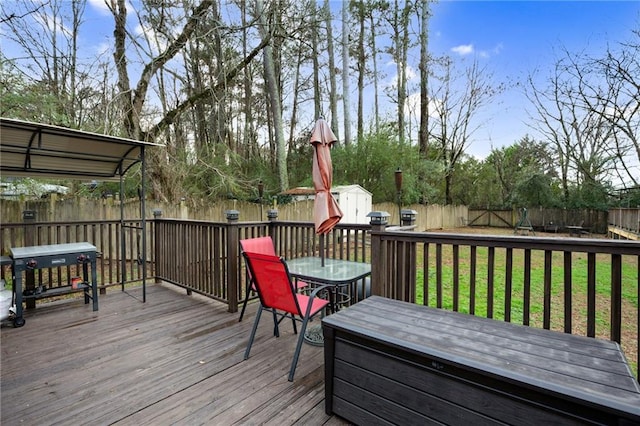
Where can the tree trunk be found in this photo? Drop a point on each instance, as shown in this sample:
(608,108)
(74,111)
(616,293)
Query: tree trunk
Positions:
(361,69)
(120,59)
(423,134)
(346,101)
(374,59)
(294,108)
(317,91)
(273,94)
(333,94)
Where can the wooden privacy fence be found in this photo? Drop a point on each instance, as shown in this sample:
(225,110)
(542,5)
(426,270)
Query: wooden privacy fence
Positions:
(594,220)
(54,209)
(428,216)
(625,219)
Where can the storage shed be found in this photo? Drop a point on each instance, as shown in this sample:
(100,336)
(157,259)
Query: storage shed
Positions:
(354,200)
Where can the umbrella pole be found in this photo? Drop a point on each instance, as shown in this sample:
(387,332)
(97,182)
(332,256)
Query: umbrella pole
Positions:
(322,249)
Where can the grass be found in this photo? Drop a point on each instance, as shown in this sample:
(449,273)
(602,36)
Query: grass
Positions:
(578,291)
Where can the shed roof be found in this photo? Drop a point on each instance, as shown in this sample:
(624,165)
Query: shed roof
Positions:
(309,190)
(41,150)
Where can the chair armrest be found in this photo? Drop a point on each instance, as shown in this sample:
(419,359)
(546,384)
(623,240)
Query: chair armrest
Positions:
(314,293)
(318,288)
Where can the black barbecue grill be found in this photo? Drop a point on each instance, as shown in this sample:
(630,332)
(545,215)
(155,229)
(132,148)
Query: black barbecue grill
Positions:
(53,256)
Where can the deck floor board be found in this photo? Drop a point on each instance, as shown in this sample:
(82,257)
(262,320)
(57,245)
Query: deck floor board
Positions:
(175,359)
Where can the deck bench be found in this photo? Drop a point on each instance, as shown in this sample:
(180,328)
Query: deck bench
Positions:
(392,362)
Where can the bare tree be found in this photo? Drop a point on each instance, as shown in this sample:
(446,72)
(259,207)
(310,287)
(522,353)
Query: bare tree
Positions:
(551,123)
(134,99)
(48,33)
(317,98)
(346,99)
(591,115)
(333,86)
(457,99)
(617,101)
(273,93)
(367,18)
(373,29)
(400,44)
(423,134)
(359,12)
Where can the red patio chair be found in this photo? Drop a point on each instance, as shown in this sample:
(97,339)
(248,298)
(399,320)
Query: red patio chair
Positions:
(262,245)
(278,294)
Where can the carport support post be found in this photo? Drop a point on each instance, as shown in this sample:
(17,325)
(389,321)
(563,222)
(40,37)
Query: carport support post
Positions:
(29,218)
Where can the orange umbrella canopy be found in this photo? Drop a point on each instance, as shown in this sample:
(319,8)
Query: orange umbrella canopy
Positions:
(326,211)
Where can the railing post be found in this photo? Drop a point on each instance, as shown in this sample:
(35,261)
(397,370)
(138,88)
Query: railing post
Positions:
(29,218)
(157,215)
(233,259)
(406,258)
(272,215)
(378,221)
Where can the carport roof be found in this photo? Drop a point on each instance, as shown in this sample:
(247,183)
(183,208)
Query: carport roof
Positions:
(41,150)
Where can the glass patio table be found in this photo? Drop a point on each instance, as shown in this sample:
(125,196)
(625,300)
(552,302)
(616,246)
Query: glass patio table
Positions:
(336,273)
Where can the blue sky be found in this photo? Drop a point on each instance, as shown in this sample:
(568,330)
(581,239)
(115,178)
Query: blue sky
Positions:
(516,38)
(512,38)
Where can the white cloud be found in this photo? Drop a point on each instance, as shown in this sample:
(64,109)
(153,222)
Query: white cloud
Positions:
(412,106)
(102,7)
(492,52)
(463,49)
(103,48)
(410,74)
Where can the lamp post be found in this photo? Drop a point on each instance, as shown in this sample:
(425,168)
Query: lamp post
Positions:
(260,194)
(399,192)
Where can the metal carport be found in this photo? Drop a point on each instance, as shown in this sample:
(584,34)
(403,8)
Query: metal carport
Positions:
(44,151)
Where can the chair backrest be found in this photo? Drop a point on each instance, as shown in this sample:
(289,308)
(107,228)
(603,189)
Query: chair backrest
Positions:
(273,282)
(262,245)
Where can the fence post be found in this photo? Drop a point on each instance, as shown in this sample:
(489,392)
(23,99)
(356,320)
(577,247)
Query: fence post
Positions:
(184,210)
(29,218)
(378,221)
(233,259)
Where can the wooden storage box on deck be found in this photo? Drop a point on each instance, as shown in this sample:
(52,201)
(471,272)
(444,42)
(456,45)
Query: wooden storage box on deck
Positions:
(391,362)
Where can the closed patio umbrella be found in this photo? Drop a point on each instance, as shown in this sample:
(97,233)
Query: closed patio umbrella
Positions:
(326,211)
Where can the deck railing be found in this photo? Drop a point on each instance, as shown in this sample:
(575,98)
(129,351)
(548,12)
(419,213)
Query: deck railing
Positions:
(118,244)
(576,285)
(204,257)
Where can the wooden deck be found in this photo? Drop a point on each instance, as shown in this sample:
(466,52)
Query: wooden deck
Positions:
(175,359)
